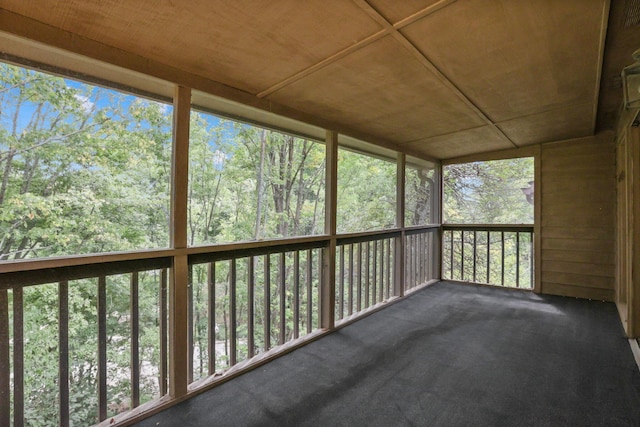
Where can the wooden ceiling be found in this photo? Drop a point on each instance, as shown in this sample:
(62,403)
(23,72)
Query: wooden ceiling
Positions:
(435,78)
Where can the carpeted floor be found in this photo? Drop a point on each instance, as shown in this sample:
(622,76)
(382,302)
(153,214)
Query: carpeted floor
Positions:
(449,355)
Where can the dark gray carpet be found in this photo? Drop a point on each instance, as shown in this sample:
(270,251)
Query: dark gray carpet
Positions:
(449,355)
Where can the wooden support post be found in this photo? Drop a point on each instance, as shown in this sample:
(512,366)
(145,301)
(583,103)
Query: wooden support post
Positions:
(63,351)
(398,258)
(537,221)
(178,285)
(5,364)
(18,359)
(327,303)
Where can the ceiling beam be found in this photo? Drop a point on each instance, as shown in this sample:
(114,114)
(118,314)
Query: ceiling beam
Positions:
(603,35)
(395,33)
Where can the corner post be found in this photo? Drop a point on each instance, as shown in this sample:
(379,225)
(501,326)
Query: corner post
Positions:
(398,257)
(328,293)
(179,280)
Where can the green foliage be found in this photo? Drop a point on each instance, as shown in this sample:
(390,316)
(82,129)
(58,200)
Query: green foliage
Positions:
(488,192)
(366,193)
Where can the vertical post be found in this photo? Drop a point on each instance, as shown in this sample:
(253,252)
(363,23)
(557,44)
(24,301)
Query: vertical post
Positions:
(233,338)
(341,295)
(102,348)
(488,256)
(537,221)
(359,278)
(296,294)
(63,355)
(451,253)
(374,277)
(251,284)
(179,281)
(5,364)
(462,255)
(135,337)
(190,339)
(328,293)
(163,374)
(399,241)
(351,273)
(267,303)
(517,259)
(282,298)
(475,254)
(367,274)
(502,258)
(211,314)
(308,281)
(18,361)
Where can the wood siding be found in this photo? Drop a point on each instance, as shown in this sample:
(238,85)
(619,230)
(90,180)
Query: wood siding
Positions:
(578,218)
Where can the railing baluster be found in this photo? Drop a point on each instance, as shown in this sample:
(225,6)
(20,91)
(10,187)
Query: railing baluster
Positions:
(233,354)
(282,298)
(296,294)
(475,254)
(531,278)
(502,261)
(416,261)
(367,276)
(5,364)
(359,278)
(341,294)
(163,373)
(18,357)
(408,264)
(451,250)
(190,340)
(135,336)
(462,255)
(517,259)
(267,303)
(320,282)
(309,279)
(488,256)
(211,315)
(382,272)
(251,283)
(351,274)
(390,253)
(421,258)
(102,348)
(374,277)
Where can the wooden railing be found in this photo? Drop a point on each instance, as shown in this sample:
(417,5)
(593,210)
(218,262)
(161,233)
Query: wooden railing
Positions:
(246,303)
(365,271)
(421,246)
(499,255)
(89,283)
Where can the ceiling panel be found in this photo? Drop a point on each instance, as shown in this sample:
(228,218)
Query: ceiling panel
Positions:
(531,67)
(381,89)
(462,143)
(515,58)
(555,125)
(247,44)
(394,10)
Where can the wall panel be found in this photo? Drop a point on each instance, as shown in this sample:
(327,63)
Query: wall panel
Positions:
(578,217)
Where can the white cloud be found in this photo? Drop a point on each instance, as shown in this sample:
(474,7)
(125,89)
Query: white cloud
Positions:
(85,103)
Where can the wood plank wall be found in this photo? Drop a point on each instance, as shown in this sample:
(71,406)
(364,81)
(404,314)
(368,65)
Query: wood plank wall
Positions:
(578,217)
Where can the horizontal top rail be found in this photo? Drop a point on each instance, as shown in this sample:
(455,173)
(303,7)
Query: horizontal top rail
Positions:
(489,227)
(258,249)
(50,270)
(367,236)
(84,271)
(419,229)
